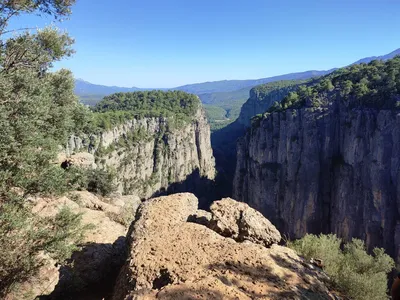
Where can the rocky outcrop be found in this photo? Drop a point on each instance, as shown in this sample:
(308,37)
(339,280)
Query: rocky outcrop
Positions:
(152,154)
(242,223)
(91,272)
(170,258)
(332,169)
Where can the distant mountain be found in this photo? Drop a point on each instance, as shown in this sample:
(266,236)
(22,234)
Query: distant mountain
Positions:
(234,85)
(209,92)
(383,57)
(83,87)
(224,97)
(90,93)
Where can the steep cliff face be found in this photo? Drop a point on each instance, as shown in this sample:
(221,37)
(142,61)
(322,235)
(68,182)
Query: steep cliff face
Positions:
(263,96)
(330,169)
(151,154)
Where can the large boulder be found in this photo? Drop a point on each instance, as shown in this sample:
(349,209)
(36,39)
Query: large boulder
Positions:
(171,258)
(239,221)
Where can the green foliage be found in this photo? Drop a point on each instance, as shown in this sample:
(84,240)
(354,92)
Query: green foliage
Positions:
(54,8)
(36,52)
(115,109)
(223,113)
(374,85)
(23,236)
(100,182)
(268,96)
(276,89)
(37,113)
(215,113)
(352,270)
(37,109)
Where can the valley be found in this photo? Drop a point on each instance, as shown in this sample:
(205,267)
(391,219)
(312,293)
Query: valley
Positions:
(289,141)
(282,187)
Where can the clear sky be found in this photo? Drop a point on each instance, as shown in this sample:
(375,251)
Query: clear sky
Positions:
(167,43)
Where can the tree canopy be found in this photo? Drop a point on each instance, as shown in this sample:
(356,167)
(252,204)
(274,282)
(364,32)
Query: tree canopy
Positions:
(12,8)
(373,85)
(119,107)
(38,110)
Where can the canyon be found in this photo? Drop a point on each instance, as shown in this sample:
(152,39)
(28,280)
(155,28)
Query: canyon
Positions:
(328,165)
(152,155)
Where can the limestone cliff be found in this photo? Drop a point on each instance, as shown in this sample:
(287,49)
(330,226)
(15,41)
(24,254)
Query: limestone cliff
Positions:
(263,96)
(151,154)
(330,169)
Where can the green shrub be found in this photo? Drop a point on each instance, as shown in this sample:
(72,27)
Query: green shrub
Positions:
(352,270)
(97,181)
(24,237)
(100,181)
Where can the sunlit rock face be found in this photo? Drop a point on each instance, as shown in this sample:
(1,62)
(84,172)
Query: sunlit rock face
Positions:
(152,155)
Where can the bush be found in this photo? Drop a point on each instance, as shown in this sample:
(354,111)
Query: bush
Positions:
(24,237)
(97,181)
(100,182)
(352,270)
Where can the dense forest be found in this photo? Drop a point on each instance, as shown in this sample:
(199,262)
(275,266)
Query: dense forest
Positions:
(372,85)
(119,107)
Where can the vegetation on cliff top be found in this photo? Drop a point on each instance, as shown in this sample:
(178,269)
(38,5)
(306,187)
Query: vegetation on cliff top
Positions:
(263,91)
(120,107)
(373,85)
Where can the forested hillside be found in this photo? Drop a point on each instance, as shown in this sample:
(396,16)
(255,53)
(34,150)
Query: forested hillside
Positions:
(374,85)
(262,97)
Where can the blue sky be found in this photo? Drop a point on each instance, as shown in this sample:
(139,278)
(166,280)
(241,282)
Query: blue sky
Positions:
(159,43)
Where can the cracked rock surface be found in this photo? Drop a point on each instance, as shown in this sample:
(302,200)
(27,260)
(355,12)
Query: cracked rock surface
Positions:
(171,258)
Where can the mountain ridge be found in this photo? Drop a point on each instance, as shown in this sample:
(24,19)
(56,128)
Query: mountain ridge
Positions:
(82,86)
(85,88)
(381,57)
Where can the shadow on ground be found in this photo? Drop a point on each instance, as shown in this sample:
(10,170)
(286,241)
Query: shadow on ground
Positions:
(255,282)
(90,273)
(206,190)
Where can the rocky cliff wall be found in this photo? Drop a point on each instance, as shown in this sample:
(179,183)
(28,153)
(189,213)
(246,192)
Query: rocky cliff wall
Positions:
(263,97)
(331,169)
(151,154)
